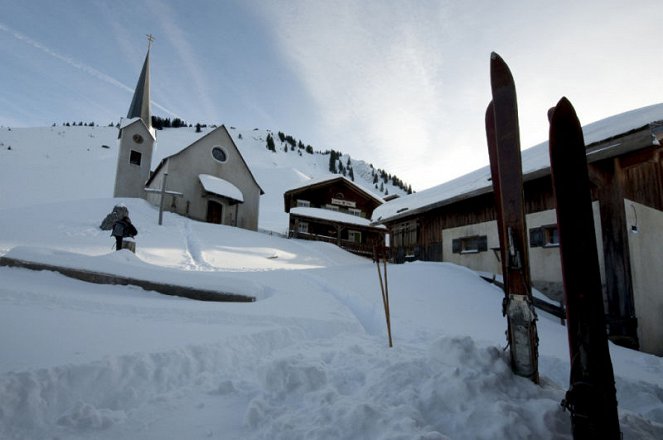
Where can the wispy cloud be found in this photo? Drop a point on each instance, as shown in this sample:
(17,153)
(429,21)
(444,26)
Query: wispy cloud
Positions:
(72,62)
(187,56)
(375,75)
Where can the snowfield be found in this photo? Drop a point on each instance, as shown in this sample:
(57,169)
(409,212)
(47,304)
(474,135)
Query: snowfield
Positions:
(308,359)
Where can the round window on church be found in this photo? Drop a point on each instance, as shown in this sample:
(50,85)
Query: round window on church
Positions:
(138,138)
(219,154)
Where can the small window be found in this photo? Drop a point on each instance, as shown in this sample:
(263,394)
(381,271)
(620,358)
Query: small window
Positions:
(138,138)
(302,227)
(354,236)
(219,154)
(470,245)
(354,211)
(331,207)
(544,236)
(135,157)
(303,203)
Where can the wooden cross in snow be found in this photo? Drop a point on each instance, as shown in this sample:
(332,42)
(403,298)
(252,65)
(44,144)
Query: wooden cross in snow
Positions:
(162,192)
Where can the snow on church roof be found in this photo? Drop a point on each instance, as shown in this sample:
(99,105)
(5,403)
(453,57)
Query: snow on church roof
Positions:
(534,159)
(221,187)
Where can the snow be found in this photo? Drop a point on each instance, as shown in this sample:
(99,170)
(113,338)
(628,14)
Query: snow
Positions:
(325,179)
(308,360)
(221,187)
(533,159)
(328,214)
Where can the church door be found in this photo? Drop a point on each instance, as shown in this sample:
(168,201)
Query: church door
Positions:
(214,212)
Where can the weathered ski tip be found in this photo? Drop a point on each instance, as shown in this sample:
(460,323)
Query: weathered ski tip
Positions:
(500,74)
(563,107)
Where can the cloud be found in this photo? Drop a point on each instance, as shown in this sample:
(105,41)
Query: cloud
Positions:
(174,34)
(376,75)
(73,62)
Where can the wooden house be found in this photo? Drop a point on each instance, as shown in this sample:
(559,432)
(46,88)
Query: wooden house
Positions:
(455,222)
(335,210)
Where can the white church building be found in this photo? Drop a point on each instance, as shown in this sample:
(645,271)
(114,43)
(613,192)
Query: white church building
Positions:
(208,180)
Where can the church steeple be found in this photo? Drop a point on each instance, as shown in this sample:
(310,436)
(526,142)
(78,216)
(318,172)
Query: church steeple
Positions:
(140,104)
(136,139)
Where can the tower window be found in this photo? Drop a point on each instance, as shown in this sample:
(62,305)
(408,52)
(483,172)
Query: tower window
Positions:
(135,157)
(138,138)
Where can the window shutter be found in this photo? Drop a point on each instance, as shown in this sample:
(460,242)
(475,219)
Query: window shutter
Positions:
(483,243)
(536,237)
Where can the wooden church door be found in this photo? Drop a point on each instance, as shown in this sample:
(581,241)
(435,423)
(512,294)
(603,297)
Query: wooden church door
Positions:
(214,212)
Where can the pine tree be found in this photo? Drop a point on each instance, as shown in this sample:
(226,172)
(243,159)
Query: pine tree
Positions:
(270,143)
(332,162)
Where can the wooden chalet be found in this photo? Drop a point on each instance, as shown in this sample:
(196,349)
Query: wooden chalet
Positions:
(335,210)
(455,222)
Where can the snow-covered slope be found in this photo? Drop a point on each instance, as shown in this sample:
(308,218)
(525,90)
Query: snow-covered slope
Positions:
(63,157)
(307,360)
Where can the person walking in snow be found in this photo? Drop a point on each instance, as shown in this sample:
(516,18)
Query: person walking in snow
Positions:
(121,229)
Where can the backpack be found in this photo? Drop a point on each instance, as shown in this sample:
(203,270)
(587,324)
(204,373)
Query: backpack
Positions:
(118,229)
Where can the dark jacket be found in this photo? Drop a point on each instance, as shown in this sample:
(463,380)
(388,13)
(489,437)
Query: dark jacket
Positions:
(124,228)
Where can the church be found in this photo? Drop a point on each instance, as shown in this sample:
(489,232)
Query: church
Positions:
(208,180)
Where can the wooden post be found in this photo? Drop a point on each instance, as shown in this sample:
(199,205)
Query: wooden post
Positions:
(163,193)
(384,289)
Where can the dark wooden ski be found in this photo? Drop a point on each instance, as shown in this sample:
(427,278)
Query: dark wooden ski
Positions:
(591,398)
(504,149)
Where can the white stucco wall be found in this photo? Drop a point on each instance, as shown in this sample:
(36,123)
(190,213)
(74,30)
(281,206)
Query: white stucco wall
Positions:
(482,261)
(545,263)
(646,248)
(130,178)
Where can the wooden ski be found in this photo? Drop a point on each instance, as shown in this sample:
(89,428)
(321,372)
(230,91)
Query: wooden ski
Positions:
(503,138)
(591,398)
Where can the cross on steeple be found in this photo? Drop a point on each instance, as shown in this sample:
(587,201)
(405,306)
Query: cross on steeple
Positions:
(150,39)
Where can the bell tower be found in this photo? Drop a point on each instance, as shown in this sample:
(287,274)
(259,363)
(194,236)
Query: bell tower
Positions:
(136,139)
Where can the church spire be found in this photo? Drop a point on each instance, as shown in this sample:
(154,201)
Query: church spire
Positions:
(140,104)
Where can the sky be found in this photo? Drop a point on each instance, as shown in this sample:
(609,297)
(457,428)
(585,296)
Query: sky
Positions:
(402,85)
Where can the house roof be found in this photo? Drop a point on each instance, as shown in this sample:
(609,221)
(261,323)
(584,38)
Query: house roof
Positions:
(334,216)
(322,181)
(535,162)
(221,187)
(221,127)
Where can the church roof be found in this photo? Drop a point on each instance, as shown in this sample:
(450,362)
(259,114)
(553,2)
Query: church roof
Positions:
(140,104)
(163,161)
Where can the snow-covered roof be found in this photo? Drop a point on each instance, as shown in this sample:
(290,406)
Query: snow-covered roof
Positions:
(335,216)
(534,159)
(221,187)
(125,122)
(325,179)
